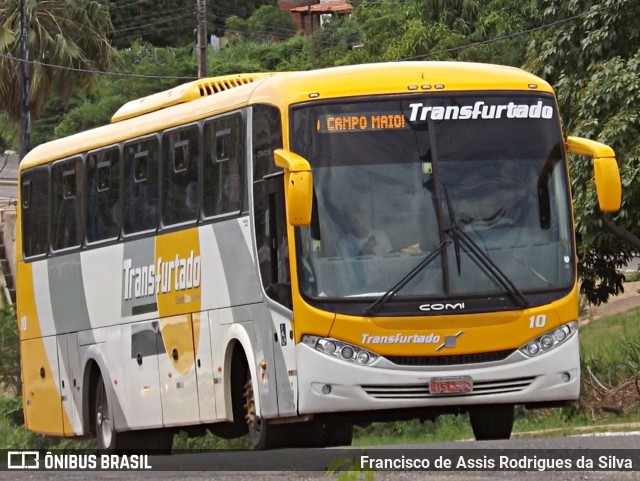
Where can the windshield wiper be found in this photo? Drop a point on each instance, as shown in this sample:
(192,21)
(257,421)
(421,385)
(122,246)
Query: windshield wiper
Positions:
(454,224)
(378,303)
(483,260)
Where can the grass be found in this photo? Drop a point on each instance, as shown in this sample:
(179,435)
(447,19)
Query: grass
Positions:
(610,347)
(632,276)
(445,428)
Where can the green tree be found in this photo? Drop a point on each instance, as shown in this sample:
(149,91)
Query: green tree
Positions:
(148,70)
(162,23)
(229,8)
(592,57)
(236,28)
(67,39)
(271,23)
(267,23)
(441,29)
(333,43)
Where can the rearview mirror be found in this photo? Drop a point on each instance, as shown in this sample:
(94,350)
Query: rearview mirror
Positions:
(299,186)
(605,170)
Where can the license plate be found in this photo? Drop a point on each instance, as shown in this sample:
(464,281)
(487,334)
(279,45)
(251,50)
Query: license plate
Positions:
(450,385)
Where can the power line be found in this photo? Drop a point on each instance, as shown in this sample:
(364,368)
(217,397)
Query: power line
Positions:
(154,18)
(96,72)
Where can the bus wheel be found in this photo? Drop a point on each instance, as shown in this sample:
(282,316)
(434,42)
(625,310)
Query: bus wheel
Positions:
(159,440)
(263,436)
(492,421)
(105,430)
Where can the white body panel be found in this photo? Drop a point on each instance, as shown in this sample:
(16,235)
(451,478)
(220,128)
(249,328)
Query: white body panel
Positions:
(103,283)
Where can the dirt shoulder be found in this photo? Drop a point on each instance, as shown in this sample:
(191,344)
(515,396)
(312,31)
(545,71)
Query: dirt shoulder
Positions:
(628,300)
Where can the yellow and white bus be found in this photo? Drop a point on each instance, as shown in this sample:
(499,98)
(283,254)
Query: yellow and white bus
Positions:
(290,254)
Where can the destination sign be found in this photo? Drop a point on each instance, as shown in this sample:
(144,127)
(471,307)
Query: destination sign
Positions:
(361,122)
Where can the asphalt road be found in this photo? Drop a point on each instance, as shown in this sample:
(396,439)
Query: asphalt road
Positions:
(281,465)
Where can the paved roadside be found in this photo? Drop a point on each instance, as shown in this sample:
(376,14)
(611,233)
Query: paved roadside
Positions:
(626,301)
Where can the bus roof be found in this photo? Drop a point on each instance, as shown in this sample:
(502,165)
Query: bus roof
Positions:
(205,97)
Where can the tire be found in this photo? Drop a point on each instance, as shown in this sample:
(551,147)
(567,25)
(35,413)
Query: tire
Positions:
(158,440)
(105,430)
(492,421)
(262,434)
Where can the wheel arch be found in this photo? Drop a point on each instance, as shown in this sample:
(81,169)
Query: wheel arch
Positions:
(94,368)
(238,356)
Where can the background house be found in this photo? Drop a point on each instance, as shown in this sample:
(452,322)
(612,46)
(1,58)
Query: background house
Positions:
(309,15)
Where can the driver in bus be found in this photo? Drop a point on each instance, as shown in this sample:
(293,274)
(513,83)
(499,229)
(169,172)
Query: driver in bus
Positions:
(495,210)
(361,239)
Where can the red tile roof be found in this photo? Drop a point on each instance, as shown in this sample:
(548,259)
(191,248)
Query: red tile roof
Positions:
(334,6)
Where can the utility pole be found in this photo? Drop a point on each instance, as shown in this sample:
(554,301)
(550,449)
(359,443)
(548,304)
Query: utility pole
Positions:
(201,16)
(25,116)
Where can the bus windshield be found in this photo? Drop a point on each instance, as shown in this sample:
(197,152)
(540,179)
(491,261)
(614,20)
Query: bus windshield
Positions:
(475,185)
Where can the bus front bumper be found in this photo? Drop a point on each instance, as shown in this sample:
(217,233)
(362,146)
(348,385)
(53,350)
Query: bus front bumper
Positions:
(327,384)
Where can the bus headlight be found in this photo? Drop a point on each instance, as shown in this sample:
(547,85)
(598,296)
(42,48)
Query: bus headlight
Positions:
(549,340)
(340,350)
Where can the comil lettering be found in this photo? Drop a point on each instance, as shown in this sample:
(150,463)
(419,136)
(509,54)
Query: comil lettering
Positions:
(162,277)
(480,110)
(442,306)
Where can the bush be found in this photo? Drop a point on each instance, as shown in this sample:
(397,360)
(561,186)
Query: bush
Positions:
(9,351)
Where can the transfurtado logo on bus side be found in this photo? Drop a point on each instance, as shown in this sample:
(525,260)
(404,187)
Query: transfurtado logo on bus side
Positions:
(162,277)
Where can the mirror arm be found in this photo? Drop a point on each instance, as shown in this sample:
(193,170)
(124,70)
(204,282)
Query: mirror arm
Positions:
(290,161)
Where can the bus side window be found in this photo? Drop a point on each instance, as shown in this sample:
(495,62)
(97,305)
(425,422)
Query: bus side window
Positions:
(140,194)
(66,221)
(34,202)
(269,212)
(103,195)
(181,162)
(223,169)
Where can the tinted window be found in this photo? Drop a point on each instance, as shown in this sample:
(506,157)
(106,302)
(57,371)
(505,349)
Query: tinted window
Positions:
(103,184)
(35,211)
(140,195)
(66,220)
(180,192)
(224,141)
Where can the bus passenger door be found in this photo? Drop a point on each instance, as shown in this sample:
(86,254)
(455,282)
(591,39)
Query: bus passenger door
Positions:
(140,391)
(70,383)
(176,365)
(273,256)
(208,383)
